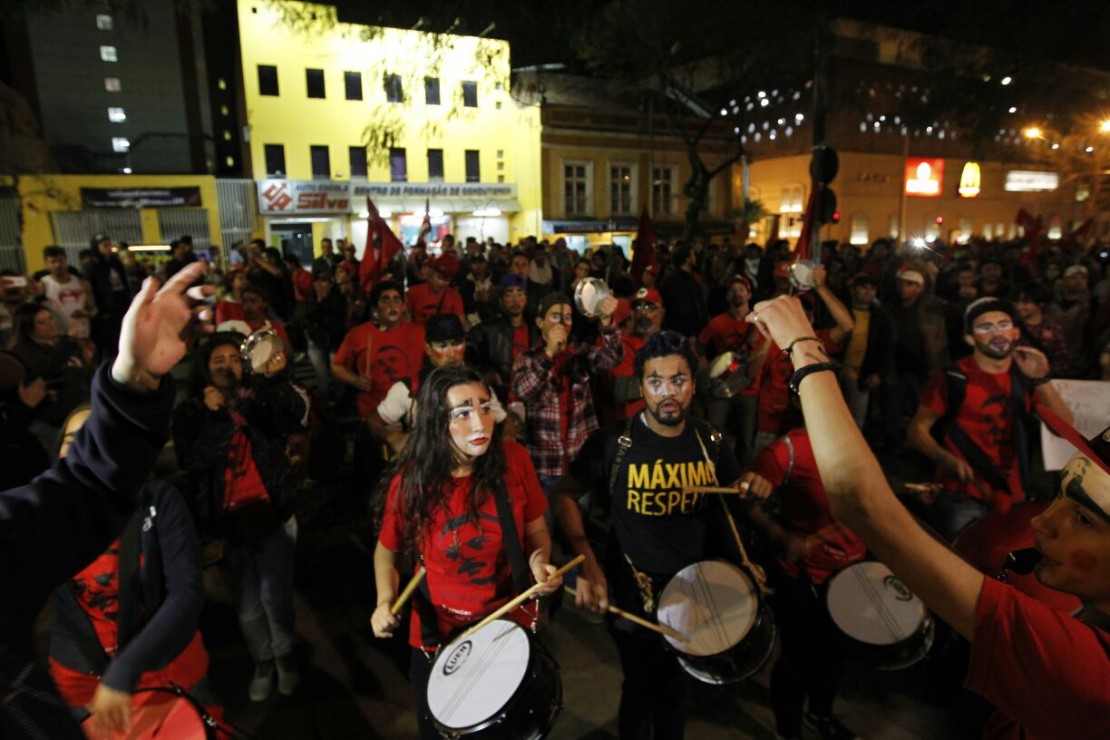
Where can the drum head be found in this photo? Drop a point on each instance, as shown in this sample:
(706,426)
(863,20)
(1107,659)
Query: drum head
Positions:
(589,294)
(724,365)
(712,604)
(474,679)
(257,349)
(871,605)
(801,275)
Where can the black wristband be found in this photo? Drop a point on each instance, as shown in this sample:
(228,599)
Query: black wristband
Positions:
(1034,382)
(800,375)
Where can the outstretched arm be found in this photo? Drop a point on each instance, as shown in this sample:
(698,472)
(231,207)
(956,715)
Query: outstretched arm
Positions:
(859,494)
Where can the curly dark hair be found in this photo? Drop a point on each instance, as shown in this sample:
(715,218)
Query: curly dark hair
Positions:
(662,344)
(425,464)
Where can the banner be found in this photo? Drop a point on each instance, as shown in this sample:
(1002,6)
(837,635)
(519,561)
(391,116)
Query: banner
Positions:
(140,197)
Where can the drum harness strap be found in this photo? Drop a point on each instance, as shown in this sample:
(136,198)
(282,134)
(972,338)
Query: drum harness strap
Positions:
(643,580)
(422,600)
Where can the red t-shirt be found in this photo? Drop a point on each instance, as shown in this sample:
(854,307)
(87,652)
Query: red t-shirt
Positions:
(520,340)
(1046,673)
(469,575)
(724,333)
(987,419)
(422,303)
(774,393)
(97,591)
(228,311)
(385,357)
(804,507)
(277,326)
(627,366)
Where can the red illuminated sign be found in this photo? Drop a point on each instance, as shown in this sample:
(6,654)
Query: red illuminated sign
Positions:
(924,177)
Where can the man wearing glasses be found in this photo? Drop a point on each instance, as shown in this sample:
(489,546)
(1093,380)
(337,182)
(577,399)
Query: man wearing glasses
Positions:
(972,419)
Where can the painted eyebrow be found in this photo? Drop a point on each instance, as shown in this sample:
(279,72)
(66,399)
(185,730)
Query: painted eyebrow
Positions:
(469,405)
(656,375)
(1078,494)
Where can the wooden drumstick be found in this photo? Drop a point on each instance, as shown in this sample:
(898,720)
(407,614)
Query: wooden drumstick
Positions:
(520,599)
(742,490)
(409,588)
(653,626)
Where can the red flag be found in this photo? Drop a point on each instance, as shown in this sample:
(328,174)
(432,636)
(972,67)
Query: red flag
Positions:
(1084,230)
(804,248)
(426,224)
(1034,229)
(388,243)
(643,248)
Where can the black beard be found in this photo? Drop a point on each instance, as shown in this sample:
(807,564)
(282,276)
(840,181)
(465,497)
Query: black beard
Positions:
(643,325)
(669,421)
(991,352)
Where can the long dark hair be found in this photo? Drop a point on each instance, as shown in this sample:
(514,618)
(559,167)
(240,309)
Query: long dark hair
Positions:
(427,459)
(23,323)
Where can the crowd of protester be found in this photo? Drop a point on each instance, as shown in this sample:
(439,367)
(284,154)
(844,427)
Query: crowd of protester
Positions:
(899,321)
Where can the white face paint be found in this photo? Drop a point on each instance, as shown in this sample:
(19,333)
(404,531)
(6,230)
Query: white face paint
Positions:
(471,420)
(668,388)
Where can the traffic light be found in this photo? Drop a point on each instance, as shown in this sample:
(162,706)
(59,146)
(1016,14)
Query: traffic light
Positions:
(827,212)
(940,220)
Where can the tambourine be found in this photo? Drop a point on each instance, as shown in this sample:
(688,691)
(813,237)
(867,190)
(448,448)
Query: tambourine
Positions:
(801,275)
(589,294)
(259,348)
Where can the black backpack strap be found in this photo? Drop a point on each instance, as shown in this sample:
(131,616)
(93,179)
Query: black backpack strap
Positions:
(1019,393)
(130,546)
(518,563)
(624,442)
(957,389)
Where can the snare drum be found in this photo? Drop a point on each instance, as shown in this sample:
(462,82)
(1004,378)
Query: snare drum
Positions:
(495,683)
(987,542)
(726,374)
(882,619)
(729,632)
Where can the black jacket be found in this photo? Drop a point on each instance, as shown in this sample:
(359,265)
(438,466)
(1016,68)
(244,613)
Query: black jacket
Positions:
(489,346)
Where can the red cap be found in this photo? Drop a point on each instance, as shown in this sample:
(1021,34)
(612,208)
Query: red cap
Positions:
(741,279)
(648,295)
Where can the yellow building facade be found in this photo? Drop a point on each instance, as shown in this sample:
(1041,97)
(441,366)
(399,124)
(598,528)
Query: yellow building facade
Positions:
(337,112)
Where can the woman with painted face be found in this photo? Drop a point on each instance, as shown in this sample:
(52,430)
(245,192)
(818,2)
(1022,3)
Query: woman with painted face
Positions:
(468,507)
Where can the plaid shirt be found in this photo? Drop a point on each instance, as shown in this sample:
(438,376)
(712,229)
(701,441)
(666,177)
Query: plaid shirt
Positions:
(533,384)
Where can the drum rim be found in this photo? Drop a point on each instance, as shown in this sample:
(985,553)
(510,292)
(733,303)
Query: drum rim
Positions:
(915,600)
(753,591)
(765,619)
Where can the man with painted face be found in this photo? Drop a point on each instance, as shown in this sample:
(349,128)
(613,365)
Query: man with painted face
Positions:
(640,469)
(978,409)
(444,346)
(1047,673)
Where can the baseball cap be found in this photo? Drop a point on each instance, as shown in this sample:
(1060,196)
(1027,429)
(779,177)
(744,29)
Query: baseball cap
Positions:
(741,279)
(648,295)
(911,276)
(512,280)
(1075,269)
(443,327)
(975,309)
(863,278)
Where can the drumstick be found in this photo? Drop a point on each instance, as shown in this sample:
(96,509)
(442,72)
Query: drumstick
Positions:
(743,489)
(520,599)
(409,588)
(653,626)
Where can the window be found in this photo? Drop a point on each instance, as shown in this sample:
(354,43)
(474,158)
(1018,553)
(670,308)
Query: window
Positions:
(275,160)
(793,197)
(352,81)
(662,191)
(108,54)
(321,162)
(117,115)
(357,164)
(860,229)
(431,90)
(398,165)
(104,22)
(111,84)
(435,165)
(470,94)
(314,82)
(267,80)
(394,90)
(120,144)
(576,188)
(621,187)
(473,168)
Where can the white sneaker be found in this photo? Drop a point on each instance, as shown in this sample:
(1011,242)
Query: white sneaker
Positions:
(262,682)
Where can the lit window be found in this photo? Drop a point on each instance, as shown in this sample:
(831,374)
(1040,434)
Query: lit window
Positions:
(662,190)
(621,187)
(221,83)
(225,111)
(576,188)
(117,115)
(111,84)
(860,229)
(120,144)
(108,54)
(104,22)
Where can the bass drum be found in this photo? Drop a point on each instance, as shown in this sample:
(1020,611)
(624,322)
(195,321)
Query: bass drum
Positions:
(497,683)
(729,632)
(888,626)
(987,542)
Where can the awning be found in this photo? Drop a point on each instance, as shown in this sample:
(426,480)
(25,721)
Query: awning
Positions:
(591,226)
(458,206)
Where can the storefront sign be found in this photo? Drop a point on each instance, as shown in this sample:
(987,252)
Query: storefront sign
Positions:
(1024,181)
(970,179)
(140,197)
(476,190)
(303,197)
(924,176)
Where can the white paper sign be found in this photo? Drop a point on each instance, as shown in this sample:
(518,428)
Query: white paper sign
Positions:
(1089,401)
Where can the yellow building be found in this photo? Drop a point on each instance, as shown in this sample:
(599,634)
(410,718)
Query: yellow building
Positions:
(338,111)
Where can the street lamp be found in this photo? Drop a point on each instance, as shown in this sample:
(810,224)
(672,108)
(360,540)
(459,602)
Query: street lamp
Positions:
(1034,132)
